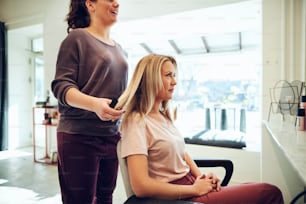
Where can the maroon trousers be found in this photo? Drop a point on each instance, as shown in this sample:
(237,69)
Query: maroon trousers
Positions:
(87,168)
(248,193)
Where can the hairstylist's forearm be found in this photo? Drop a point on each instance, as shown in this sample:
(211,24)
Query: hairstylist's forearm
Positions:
(100,106)
(77,99)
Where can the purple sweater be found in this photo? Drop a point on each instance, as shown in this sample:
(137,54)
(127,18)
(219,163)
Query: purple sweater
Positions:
(96,69)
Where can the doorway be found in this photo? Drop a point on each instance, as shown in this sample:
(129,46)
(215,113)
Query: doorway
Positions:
(21,63)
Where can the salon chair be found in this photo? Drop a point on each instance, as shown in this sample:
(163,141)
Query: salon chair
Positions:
(299,197)
(132,199)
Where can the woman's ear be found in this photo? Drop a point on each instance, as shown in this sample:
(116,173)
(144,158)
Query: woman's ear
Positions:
(90,6)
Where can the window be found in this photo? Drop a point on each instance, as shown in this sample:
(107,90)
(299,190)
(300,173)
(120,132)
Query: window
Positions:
(37,50)
(219,54)
(39,94)
(37,45)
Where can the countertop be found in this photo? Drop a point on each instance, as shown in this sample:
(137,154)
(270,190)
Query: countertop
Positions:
(292,142)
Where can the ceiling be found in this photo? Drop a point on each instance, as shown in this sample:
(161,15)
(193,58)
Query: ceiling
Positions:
(191,45)
(227,28)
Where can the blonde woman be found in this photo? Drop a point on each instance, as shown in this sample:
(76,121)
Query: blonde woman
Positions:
(157,162)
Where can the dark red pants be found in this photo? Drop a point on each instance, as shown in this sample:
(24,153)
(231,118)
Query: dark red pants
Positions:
(87,168)
(247,193)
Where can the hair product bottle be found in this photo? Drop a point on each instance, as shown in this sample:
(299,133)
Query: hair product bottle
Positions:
(300,119)
(303,105)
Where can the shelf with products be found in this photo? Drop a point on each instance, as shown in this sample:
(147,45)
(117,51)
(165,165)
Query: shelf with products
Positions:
(45,120)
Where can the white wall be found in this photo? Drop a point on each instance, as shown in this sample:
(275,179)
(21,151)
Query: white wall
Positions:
(20,88)
(283,44)
(54,32)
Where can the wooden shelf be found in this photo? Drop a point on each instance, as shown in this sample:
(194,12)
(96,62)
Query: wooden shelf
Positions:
(43,116)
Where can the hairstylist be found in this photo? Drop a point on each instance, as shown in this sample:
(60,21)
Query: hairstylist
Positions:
(91,70)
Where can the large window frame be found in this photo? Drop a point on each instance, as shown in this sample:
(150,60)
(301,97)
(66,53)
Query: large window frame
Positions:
(239,42)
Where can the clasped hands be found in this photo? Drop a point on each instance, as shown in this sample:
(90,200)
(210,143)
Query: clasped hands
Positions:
(207,183)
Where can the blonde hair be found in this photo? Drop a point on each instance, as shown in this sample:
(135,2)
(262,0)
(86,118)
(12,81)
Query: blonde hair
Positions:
(146,82)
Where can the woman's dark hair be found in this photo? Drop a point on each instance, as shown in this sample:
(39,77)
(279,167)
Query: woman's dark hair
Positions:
(78,16)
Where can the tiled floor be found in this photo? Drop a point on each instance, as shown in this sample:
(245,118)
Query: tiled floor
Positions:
(23,181)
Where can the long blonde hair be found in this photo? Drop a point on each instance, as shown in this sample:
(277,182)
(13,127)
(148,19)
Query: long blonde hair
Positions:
(146,82)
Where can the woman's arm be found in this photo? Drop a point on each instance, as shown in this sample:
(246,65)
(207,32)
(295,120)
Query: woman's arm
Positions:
(195,171)
(144,186)
(100,106)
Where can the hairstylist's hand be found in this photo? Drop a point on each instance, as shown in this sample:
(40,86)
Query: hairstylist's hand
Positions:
(104,111)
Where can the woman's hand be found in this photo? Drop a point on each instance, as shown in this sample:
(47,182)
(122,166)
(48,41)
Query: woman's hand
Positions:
(101,106)
(206,183)
(215,180)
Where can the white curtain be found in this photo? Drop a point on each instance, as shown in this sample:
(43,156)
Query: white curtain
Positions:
(294,39)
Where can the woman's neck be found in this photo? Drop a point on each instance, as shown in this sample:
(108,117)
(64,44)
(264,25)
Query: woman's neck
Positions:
(156,108)
(102,34)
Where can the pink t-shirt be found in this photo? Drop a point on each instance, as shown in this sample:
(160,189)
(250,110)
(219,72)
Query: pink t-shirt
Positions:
(161,143)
